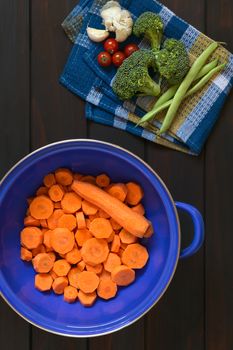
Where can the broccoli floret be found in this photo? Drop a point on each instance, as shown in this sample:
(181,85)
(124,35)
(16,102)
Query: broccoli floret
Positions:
(172,61)
(132,77)
(150,25)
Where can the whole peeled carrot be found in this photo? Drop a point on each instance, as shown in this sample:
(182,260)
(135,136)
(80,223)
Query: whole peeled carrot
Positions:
(131,221)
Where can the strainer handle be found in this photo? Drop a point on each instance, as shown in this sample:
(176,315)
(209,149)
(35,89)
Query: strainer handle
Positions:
(198,223)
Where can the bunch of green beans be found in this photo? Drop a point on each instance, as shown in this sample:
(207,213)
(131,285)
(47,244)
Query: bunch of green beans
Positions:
(180,92)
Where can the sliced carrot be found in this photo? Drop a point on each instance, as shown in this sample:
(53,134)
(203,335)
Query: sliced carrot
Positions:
(74,256)
(52,255)
(67,221)
(101,228)
(49,180)
(88,208)
(116,243)
(121,213)
(127,237)
(57,205)
(28,212)
(139,209)
(135,256)
(71,202)
(119,191)
(134,194)
(87,299)
(42,191)
(105,275)
(123,275)
(56,193)
(61,267)
(43,282)
(94,251)
(38,250)
(30,221)
(92,217)
(42,263)
(111,262)
(88,281)
(107,289)
(70,294)
(44,223)
(81,222)
(88,178)
(53,274)
(73,276)
(41,207)
(115,225)
(25,254)
(62,240)
(64,176)
(88,223)
(111,237)
(53,219)
(103,214)
(59,284)
(149,231)
(102,180)
(31,237)
(82,236)
(97,268)
(77,176)
(46,241)
(81,265)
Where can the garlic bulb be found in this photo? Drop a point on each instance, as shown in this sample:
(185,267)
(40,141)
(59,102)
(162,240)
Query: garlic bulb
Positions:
(117,20)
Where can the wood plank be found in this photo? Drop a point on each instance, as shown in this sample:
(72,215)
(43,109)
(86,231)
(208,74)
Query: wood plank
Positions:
(177,322)
(14,131)
(219,193)
(56,113)
(14,87)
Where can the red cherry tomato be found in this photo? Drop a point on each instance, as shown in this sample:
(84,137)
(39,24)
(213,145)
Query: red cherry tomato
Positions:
(118,58)
(111,46)
(130,48)
(104,59)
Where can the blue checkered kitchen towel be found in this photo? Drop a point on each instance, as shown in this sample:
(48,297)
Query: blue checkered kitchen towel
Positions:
(83,76)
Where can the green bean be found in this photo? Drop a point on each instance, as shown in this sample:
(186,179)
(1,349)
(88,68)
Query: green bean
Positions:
(172,90)
(194,89)
(183,88)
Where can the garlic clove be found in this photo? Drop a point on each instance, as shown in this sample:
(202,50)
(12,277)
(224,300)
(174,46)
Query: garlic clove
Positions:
(121,34)
(97,35)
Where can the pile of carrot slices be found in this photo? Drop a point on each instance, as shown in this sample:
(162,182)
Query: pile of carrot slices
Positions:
(81,234)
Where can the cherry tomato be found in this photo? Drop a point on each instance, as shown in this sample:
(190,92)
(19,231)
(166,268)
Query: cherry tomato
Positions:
(111,46)
(130,48)
(118,58)
(104,59)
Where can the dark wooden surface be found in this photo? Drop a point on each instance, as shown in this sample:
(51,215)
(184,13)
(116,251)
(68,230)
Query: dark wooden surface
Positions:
(196,313)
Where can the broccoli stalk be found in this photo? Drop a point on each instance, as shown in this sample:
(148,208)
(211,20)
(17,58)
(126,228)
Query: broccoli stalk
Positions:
(149,25)
(132,77)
